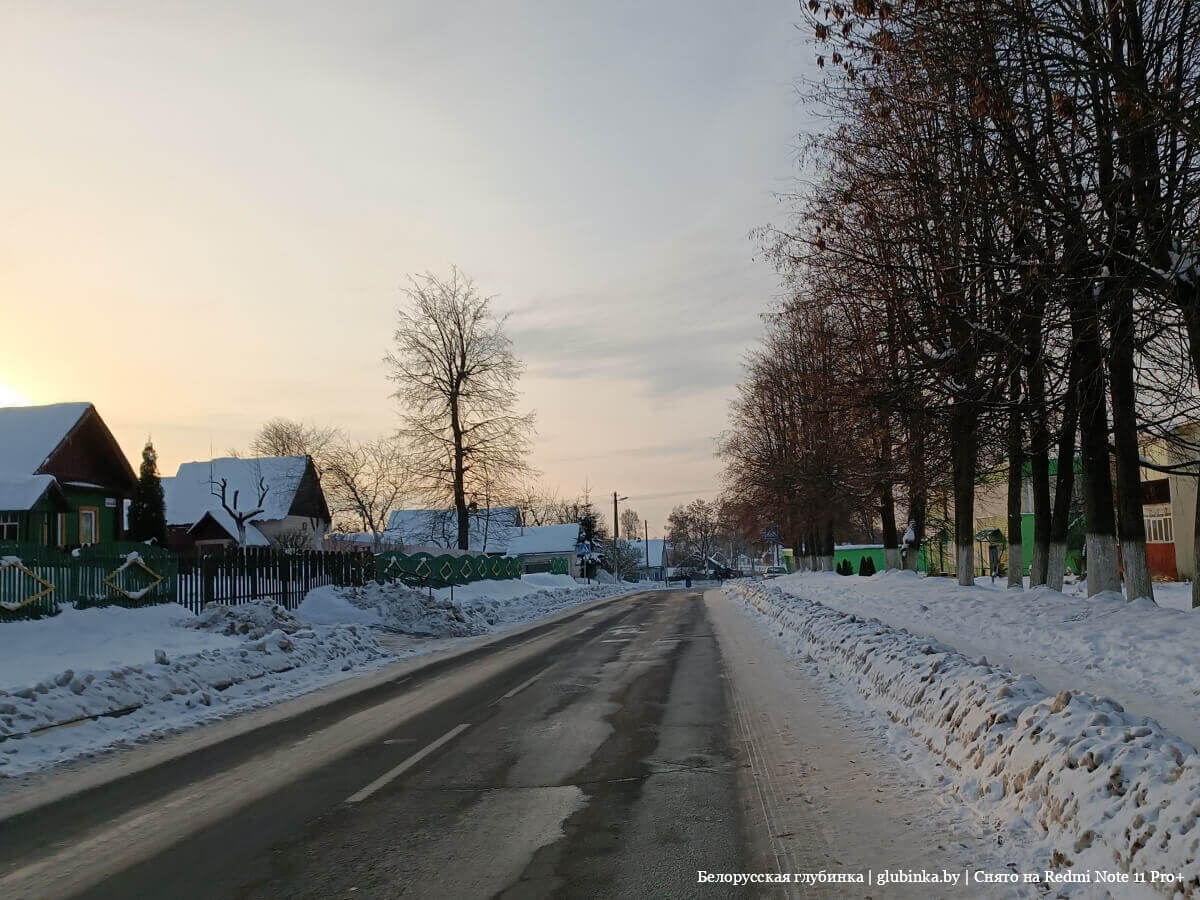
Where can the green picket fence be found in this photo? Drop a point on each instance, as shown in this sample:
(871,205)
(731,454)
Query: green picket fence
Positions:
(428,570)
(35,580)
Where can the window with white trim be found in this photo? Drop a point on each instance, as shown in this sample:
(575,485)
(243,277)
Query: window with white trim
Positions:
(10,527)
(1159,530)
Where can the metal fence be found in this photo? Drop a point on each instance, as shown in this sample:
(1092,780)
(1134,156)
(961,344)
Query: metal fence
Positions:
(37,581)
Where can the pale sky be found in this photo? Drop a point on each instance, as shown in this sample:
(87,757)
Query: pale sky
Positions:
(210,208)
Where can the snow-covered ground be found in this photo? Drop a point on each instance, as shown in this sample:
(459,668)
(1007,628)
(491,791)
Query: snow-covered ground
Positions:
(89,681)
(1084,781)
(1145,656)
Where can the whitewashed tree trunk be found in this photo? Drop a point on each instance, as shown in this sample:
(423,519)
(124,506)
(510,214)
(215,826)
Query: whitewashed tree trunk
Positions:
(891,557)
(966,564)
(1016,566)
(1137,570)
(1056,565)
(1102,572)
(826,563)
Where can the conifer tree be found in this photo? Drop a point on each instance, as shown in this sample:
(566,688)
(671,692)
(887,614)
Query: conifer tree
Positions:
(147,509)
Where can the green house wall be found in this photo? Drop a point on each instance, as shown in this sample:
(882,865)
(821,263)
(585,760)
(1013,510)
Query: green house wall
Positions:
(45,513)
(877,556)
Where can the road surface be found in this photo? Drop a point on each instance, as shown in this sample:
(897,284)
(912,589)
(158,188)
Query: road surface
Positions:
(615,753)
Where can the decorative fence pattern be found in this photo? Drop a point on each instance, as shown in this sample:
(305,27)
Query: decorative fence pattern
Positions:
(37,581)
(427,570)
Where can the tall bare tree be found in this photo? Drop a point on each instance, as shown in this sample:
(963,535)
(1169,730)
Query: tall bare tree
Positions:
(456,379)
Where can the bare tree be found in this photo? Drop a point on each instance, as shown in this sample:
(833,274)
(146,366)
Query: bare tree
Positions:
(631,524)
(220,490)
(291,437)
(456,378)
(365,481)
(693,532)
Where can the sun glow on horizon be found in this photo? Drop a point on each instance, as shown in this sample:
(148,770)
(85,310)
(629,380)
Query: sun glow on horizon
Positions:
(10,396)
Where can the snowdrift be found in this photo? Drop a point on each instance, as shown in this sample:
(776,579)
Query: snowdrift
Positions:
(262,655)
(475,608)
(1107,789)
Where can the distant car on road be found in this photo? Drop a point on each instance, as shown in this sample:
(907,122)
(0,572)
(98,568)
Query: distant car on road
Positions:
(774,571)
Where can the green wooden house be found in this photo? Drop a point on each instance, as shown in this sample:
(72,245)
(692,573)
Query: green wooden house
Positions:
(64,480)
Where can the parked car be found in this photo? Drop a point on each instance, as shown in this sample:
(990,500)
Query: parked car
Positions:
(775,571)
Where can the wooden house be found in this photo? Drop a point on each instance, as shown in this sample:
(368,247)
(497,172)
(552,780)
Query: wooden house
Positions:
(64,480)
(279,499)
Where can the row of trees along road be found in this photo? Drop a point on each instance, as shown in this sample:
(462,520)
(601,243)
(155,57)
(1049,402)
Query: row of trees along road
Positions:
(992,263)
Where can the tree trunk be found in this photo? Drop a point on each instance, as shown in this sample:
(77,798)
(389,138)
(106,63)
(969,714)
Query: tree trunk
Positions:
(1060,521)
(963,458)
(1102,572)
(1187,296)
(917,496)
(1131,526)
(826,549)
(460,478)
(1016,563)
(887,497)
(1039,435)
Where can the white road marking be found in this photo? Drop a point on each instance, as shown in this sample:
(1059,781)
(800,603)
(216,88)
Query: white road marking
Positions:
(618,641)
(520,687)
(401,741)
(407,764)
(581,631)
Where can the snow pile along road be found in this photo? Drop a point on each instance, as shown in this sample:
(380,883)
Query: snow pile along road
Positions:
(238,658)
(1103,789)
(475,608)
(1142,654)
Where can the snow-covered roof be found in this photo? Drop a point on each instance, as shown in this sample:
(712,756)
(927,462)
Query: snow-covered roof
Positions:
(543,539)
(254,537)
(29,434)
(21,492)
(190,494)
(656,552)
(439,527)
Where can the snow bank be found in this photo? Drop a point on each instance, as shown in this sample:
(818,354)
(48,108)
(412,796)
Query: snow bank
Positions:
(105,637)
(1141,654)
(170,676)
(475,608)
(1105,789)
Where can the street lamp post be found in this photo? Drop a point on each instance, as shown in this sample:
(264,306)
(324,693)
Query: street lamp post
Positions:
(616,530)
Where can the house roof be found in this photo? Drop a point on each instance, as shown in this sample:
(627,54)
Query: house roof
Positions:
(254,537)
(22,492)
(543,539)
(30,434)
(439,527)
(189,495)
(656,552)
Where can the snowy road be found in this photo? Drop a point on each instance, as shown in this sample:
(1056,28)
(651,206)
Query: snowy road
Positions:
(615,753)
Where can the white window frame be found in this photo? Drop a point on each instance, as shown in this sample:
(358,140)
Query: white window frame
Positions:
(1159,529)
(10,521)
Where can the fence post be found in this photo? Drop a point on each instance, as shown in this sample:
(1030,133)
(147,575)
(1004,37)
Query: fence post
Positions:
(208,576)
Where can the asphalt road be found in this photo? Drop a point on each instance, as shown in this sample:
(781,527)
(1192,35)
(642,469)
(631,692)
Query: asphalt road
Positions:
(591,759)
